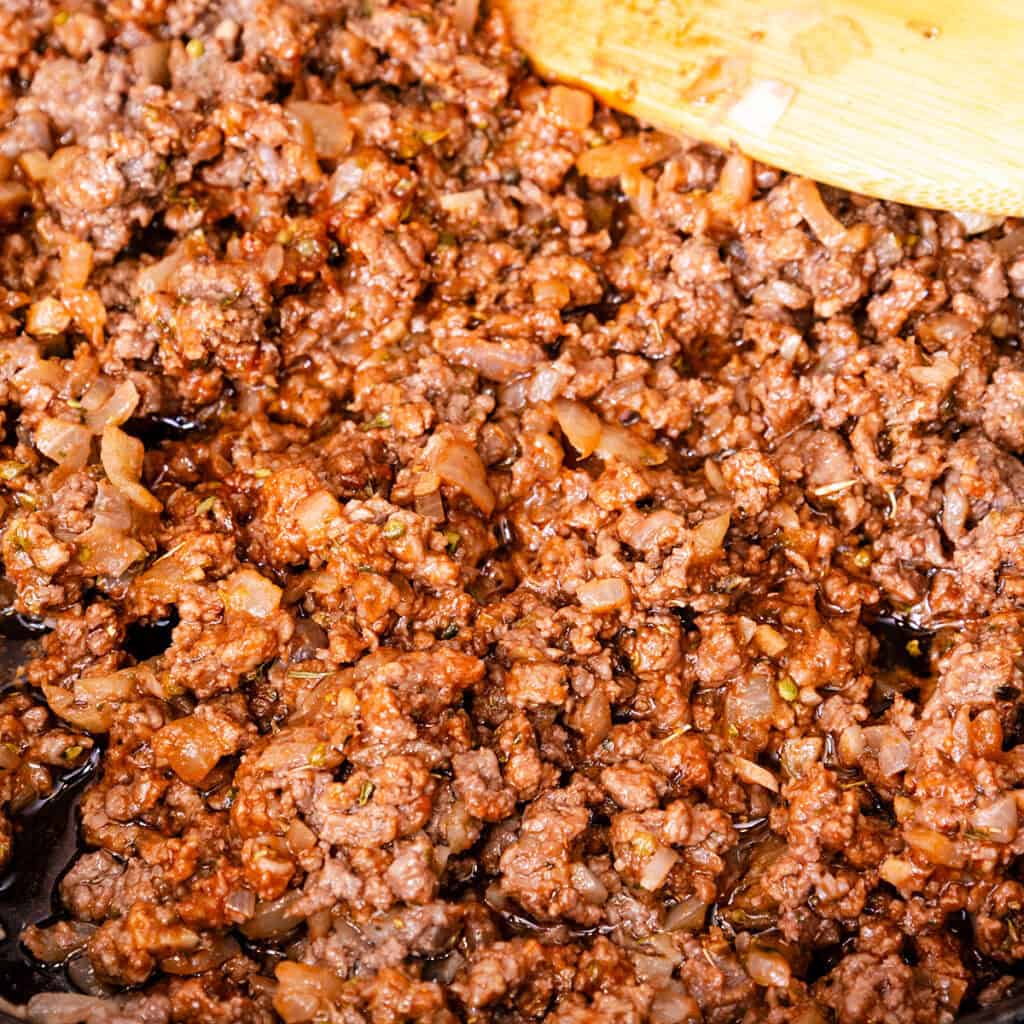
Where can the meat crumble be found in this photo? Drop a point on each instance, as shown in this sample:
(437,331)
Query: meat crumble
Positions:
(507,564)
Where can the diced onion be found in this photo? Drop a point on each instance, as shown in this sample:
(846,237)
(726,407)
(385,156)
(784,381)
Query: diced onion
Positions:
(580,425)
(106,551)
(657,868)
(64,1008)
(622,443)
(769,640)
(202,960)
(315,515)
(273,920)
(634,152)
(932,845)
(687,915)
(709,536)
(47,317)
(66,443)
(76,259)
(828,229)
(499,362)
(890,746)
(572,108)
(117,408)
(330,128)
(305,993)
(997,820)
(122,456)
(248,591)
(604,595)
(241,902)
(754,774)
(190,746)
(457,463)
(467,204)
(798,755)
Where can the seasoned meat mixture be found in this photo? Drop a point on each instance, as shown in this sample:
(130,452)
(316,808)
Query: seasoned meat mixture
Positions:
(503,564)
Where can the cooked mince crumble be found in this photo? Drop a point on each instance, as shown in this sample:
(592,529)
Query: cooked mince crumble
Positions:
(499,563)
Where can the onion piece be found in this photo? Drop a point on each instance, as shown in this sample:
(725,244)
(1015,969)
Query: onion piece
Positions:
(47,317)
(571,108)
(769,640)
(251,593)
(709,536)
(754,774)
(623,443)
(799,755)
(634,152)
(305,992)
(190,746)
(933,846)
(890,747)
(316,514)
(273,920)
(977,223)
(657,868)
(122,456)
(604,595)
(580,425)
(64,1008)
(66,443)
(332,133)
(468,204)
(457,463)
(202,960)
(151,62)
(997,820)
(241,903)
(495,361)
(829,231)
(106,551)
(687,915)
(115,410)
(76,260)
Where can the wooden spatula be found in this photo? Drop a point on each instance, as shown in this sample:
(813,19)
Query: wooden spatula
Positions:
(920,101)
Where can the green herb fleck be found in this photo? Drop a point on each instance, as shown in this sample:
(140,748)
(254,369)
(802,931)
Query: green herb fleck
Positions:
(299,673)
(379,422)
(365,567)
(445,240)
(74,403)
(914,648)
(862,558)
(452,540)
(230,796)
(73,753)
(393,529)
(318,755)
(732,730)
(195,48)
(365,793)
(450,631)
(10,469)
(61,18)
(787,688)
(261,474)
(205,505)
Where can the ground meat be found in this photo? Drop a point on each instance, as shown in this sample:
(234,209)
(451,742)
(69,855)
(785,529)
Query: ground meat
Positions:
(454,585)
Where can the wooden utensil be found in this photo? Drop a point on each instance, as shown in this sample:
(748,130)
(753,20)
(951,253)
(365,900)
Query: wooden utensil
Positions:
(919,101)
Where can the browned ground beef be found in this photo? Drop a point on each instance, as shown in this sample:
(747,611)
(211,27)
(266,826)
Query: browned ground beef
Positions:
(590,566)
